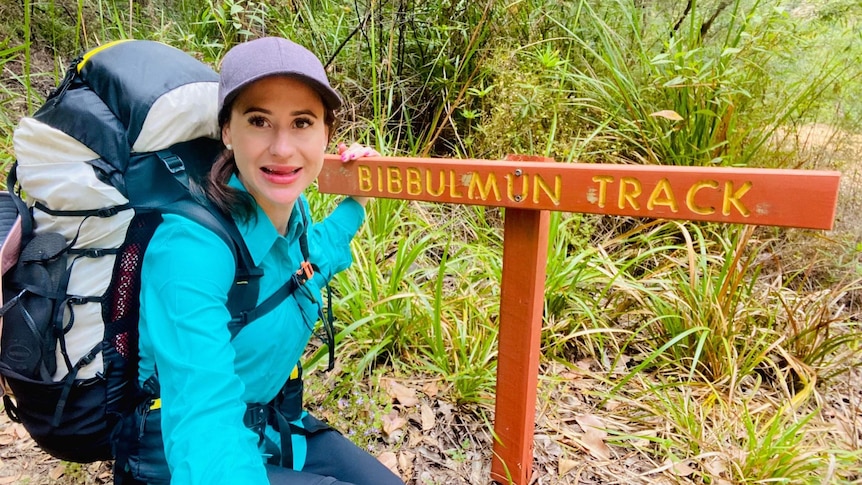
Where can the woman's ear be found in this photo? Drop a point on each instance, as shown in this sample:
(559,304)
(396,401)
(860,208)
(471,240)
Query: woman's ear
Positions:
(225,135)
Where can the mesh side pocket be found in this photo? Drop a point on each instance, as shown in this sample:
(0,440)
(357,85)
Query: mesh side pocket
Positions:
(121,312)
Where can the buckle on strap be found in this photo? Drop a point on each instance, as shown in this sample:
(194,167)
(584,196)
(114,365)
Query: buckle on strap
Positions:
(172,162)
(305,272)
(255,416)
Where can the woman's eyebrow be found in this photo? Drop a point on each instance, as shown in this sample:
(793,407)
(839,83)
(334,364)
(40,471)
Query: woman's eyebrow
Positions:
(299,112)
(252,109)
(303,112)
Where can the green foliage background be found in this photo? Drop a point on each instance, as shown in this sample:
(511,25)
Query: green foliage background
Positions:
(680,306)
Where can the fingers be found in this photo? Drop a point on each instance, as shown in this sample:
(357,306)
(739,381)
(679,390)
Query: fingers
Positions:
(356,150)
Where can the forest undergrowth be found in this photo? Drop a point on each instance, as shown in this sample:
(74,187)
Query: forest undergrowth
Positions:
(672,351)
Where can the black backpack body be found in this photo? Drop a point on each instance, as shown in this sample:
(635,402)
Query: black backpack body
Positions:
(111,151)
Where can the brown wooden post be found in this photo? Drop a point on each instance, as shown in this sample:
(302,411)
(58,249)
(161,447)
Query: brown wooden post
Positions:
(522,297)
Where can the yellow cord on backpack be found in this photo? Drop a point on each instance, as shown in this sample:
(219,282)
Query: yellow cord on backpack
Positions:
(96,50)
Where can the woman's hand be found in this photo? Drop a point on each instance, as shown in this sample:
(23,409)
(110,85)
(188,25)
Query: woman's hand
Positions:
(353,152)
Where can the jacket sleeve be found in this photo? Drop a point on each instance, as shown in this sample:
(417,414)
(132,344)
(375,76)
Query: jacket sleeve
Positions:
(186,277)
(329,239)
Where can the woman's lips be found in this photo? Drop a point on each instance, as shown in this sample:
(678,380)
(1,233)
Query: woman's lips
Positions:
(280,175)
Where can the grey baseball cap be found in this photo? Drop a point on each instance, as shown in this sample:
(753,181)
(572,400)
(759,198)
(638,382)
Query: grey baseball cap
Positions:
(269,56)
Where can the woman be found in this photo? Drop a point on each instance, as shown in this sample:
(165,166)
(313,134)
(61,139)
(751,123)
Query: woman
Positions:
(222,402)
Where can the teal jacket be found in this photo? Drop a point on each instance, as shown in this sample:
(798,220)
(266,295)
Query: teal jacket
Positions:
(206,378)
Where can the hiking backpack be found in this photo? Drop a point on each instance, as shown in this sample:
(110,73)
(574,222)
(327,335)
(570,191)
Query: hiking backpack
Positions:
(112,149)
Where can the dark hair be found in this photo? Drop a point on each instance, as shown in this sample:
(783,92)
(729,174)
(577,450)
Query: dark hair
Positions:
(238,203)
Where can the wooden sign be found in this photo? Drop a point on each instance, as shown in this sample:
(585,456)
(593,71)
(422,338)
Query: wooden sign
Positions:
(774,197)
(529,190)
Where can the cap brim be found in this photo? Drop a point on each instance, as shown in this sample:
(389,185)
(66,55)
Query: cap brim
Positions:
(331,99)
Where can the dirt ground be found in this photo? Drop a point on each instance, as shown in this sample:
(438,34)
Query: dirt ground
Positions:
(437,444)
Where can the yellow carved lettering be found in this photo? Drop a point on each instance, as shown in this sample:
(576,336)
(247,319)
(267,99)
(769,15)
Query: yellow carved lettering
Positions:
(430,189)
(732,198)
(484,190)
(692,193)
(414,181)
(539,183)
(510,187)
(627,195)
(603,181)
(662,194)
(364,174)
(453,186)
(380,179)
(393,180)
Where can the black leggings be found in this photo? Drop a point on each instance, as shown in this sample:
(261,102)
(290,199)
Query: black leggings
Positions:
(332,459)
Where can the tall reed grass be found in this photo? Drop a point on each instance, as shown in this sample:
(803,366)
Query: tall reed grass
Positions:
(692,325)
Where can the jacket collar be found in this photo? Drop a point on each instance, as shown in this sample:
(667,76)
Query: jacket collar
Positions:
(260,234)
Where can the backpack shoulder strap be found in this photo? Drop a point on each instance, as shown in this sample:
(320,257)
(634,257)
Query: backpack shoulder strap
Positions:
(305,272)
(244,293)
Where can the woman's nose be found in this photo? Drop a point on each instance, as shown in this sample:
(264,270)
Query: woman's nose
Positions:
(282,144)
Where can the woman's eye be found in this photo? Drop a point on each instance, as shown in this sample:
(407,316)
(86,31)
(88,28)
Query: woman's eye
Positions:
(258,121)
(302,123)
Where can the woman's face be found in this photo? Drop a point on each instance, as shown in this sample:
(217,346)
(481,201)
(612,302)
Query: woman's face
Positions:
(279,136)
